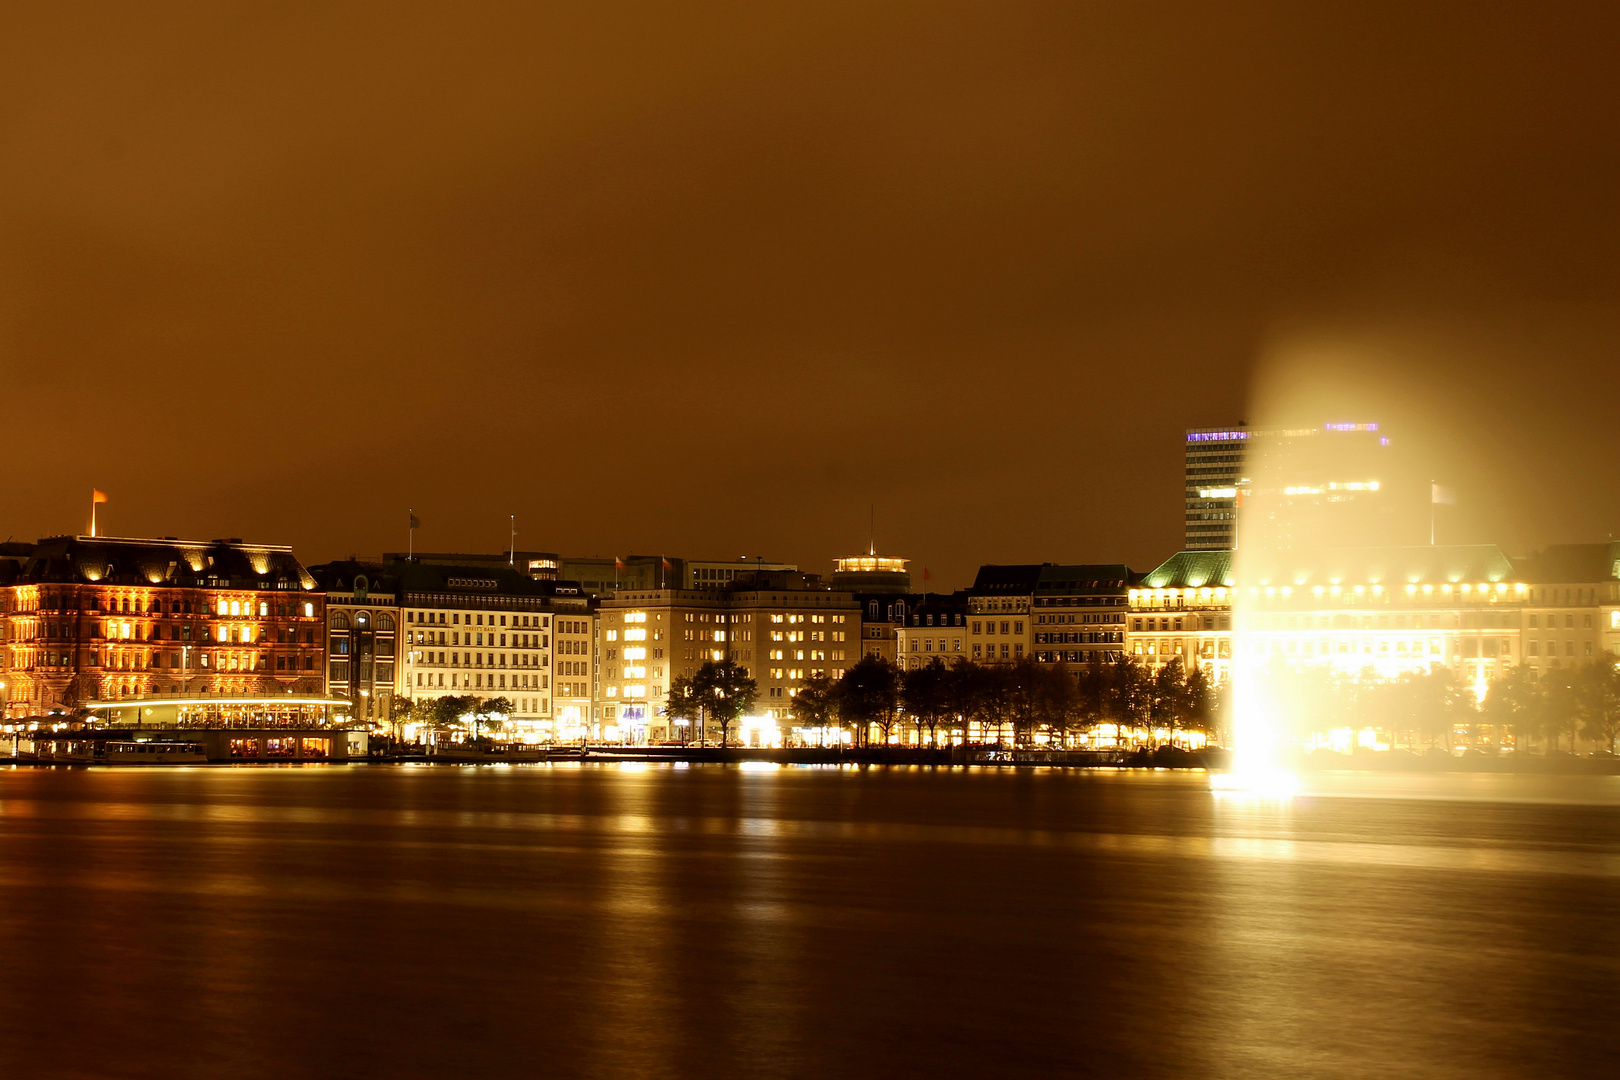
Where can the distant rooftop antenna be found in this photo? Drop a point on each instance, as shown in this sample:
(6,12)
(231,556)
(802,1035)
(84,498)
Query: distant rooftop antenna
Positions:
(872,529)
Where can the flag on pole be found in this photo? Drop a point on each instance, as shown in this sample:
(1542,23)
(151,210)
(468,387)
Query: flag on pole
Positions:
(416,522)
(1442,496)
(97,496)
(668,565)
(618,563)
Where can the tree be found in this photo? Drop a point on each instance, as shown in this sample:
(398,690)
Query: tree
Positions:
(726,692)
(486,710)
(1198,705)
(400,711)
(1057,703)
(683,704)
(869,693)
(812,706)
(1124,695)
(963,687)
(1515,702)
(1021,691)
(924,693)
(1599,687)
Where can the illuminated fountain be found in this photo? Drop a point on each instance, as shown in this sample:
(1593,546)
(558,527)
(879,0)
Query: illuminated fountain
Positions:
(1303,489)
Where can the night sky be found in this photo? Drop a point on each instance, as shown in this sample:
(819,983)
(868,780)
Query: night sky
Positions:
(713,280)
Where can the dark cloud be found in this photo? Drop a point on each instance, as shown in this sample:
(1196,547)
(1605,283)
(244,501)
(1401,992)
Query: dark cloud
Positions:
(717,279)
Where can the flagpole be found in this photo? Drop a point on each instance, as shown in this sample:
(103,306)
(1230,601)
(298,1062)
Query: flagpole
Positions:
(511,540)
(410,529)
(92,514)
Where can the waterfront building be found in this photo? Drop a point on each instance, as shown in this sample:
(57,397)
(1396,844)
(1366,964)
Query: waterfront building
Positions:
(575,675)
(362,635)
(1078,613)
(1381,611)
(881,617)
(486,631)
(779,626)
(1326,475)
(1386,610)
(999,605)
(1182,609)
(106,618)
(933,627)
(1572,610)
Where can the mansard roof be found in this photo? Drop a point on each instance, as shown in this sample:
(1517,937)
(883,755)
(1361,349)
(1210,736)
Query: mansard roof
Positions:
(167,562)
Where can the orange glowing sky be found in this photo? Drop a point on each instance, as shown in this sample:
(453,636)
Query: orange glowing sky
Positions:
(713,279)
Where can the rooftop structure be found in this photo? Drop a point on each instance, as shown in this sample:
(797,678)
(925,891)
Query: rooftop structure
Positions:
(871,574)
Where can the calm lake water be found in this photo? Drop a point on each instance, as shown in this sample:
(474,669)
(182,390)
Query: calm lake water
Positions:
(711,921)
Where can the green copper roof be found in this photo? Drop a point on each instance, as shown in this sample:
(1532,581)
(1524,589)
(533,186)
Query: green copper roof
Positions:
(1191,570)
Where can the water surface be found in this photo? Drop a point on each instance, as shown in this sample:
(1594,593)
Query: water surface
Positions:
(657,921)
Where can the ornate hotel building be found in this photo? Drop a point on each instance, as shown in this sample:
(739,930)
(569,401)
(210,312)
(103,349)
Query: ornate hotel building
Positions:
(104,618)
(1389,610)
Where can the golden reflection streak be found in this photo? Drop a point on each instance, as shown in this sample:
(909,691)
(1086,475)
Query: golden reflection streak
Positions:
(1494,859)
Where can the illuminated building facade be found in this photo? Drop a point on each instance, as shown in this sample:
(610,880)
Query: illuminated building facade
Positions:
(872,574)
(1387,610)
(1313,474)
(482,630)
(100,618)
(999,609)
(780,626)
(574,672)
(1572,610)
(1182,609)
(362,636)
(1078,614)
(933,627)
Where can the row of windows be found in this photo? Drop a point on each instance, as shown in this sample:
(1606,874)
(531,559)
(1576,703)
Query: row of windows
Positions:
(519,641)
(478,680)
(989,653)
(458,659)
(470,619)
(1084,618)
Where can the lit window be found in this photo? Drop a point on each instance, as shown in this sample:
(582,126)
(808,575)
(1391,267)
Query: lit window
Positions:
(224,608)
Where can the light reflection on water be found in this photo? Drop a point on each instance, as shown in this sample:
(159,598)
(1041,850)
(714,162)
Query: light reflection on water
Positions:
(711,922)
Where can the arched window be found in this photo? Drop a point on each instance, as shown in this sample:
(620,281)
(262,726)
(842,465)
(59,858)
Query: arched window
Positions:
(362,619)
(385,621)
(340,621)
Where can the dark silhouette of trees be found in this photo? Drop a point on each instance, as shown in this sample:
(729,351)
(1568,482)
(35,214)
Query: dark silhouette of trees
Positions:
(1598,687)
(869,694)
(726,693)
(682,703)
(926,698)
(814,705)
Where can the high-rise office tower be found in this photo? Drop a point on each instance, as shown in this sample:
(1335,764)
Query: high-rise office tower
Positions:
(1308,476)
